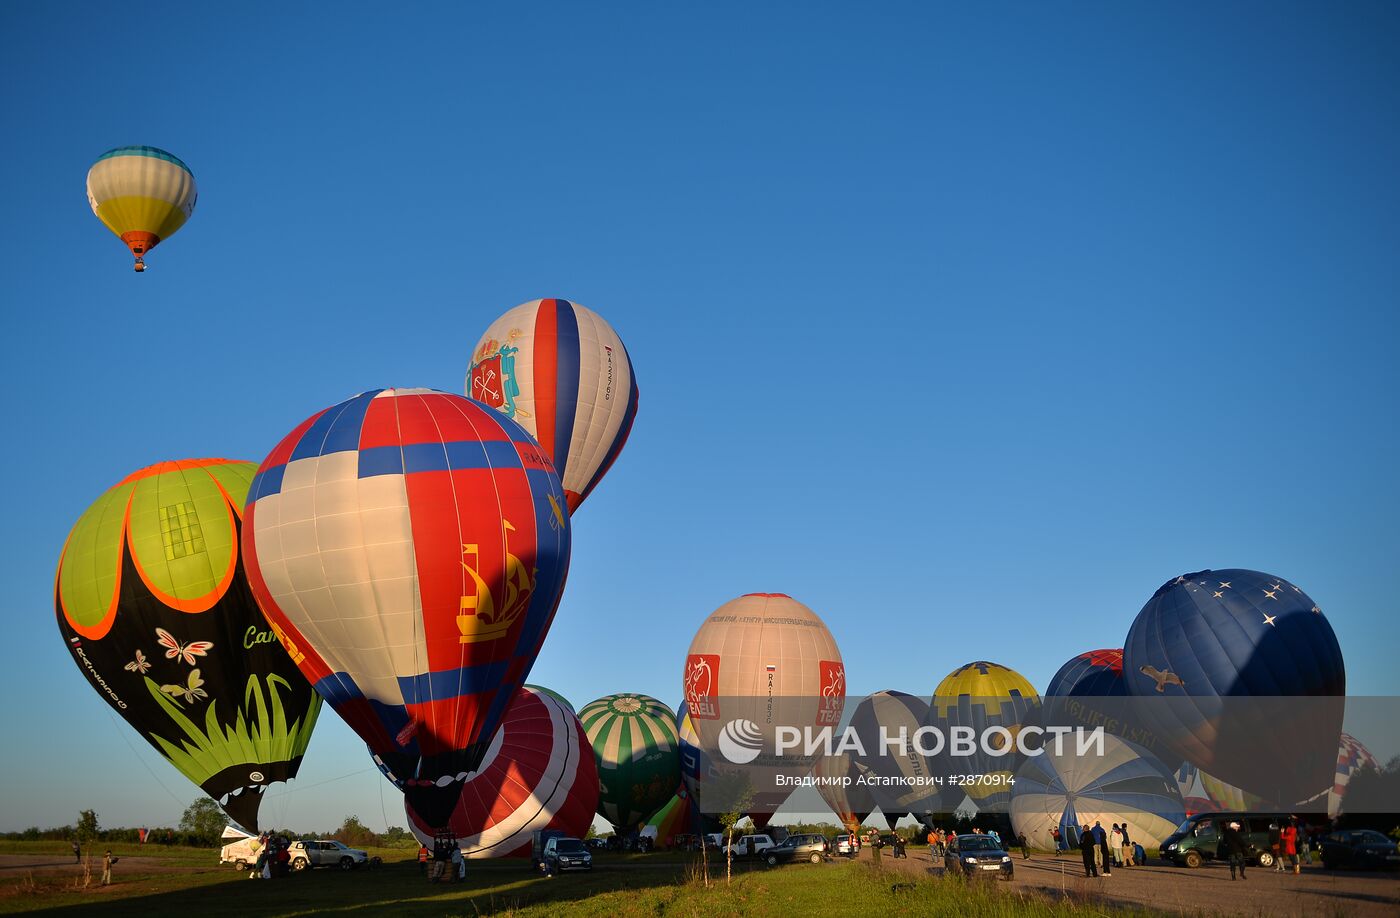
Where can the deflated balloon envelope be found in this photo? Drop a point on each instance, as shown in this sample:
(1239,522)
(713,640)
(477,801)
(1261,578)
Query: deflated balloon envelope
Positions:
(1239,673)
(153,603)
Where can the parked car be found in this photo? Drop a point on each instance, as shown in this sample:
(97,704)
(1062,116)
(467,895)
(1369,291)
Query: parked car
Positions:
(798,848)
(1364,849)
(563,853)
(976,854)
(538,840)
(1196,840)
(847,845)
(324,853)
(751,844)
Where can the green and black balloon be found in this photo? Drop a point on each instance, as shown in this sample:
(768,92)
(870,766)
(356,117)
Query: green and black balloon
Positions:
(155,609)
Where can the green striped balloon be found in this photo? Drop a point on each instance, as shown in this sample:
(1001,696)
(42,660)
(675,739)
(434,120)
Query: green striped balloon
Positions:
(639,766)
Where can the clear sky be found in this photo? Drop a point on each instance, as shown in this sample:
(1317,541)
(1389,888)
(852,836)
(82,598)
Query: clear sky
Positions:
(967,327)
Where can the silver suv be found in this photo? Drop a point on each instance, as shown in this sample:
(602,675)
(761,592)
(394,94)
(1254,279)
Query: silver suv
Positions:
(323,853)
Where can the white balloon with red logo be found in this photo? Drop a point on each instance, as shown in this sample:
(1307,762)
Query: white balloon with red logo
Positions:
(758,664)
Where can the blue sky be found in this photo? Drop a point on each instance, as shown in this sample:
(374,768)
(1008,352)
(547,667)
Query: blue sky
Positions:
(966,327)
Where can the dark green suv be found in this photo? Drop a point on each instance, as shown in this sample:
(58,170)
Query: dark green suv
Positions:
(1196,840)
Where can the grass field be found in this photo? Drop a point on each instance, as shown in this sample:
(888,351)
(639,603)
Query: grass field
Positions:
(184,883)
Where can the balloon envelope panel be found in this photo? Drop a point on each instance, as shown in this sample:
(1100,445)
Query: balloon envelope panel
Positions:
(1094,674)
(153,602)
(637,753)
(563,373)
(538,773)
(412,546)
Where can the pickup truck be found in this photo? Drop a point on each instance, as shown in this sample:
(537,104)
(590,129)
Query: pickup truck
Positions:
(323,853)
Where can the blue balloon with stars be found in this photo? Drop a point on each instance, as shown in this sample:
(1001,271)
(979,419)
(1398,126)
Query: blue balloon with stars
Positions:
(1220,658)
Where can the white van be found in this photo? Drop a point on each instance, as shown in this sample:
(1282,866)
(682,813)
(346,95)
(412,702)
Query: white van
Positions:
(240,849)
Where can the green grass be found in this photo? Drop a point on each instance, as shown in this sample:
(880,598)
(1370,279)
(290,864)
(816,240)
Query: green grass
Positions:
(619,887)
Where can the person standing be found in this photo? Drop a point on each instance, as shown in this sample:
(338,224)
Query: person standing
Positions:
(899,846)
(1276,846)
(1025,847)
(1128,859)
(1115,845)
(77,852)
(932,845)
(1055,839)
(1089,850)
(1232,845)
(1288,845)
(107,862)
(875,845)
(1101,838)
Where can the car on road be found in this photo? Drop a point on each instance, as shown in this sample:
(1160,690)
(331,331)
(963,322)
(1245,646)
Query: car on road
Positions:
(325,853)
(1363,849)
(564,853)
(813,848)
(1197,839)
(978,855)
(751,844)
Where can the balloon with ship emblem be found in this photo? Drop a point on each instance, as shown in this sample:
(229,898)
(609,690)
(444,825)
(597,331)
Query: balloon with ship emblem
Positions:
(1239,673)
(538,773)
(563,374)
(142,194)
(154,605)
(412,545)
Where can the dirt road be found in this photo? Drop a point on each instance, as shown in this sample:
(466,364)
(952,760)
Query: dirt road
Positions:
(1207,889)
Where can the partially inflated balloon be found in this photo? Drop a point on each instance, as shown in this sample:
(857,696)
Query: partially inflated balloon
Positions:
(888,725)
(837,780)
(1065,790)
(538,773)
(412,546)
(637,752)
(563,374)
(1352,757)
(154,604)
(143,194)
(1240,673)
(985,697)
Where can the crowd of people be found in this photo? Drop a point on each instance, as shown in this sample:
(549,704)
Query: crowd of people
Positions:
(1102,849)
(274,860)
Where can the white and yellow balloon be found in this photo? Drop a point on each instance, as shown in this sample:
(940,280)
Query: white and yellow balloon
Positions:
(142,194)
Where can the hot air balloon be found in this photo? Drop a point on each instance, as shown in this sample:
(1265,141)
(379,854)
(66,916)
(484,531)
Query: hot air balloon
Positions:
(676,817)
(1065,790)
(1193,794)
(637,753)
(1351,758)
(154,605)
(143,194)
(696,767)
(901,772)
(563,374)
(836,777)
(1097,673)
(538,773)
(984,696)
(555,695)
(1239,673)
(760,662)
(410,546)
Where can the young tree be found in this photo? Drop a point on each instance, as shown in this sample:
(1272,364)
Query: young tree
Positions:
(87,826)
(354,833)
(204,820)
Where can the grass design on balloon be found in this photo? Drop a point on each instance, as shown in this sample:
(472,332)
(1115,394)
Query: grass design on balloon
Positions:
(258,734)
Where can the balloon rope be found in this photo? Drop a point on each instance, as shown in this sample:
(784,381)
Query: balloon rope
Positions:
(140,758)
